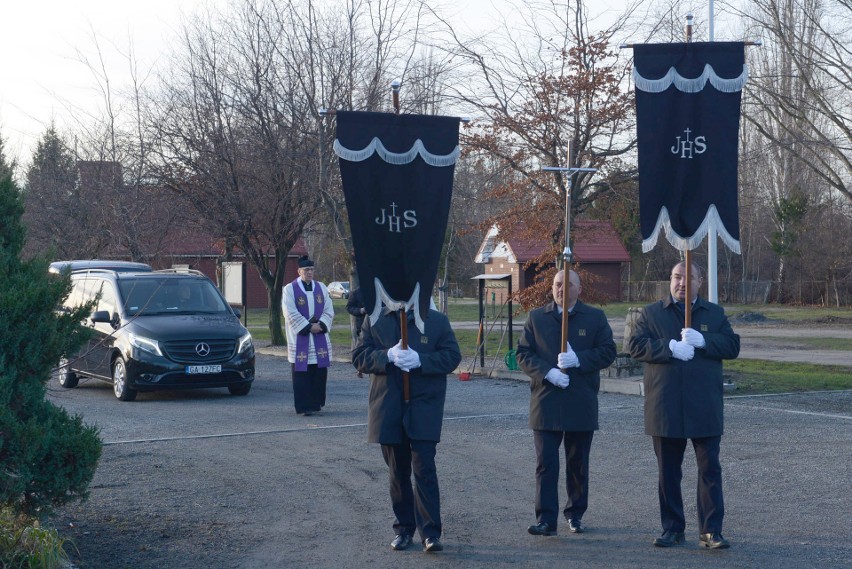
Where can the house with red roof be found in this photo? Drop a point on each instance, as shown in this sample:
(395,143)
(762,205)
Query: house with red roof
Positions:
(595,246)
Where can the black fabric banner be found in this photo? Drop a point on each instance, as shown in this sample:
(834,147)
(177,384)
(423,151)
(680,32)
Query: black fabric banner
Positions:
(397,174)
(687,122)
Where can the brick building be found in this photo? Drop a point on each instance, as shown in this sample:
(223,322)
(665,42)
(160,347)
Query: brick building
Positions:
(595,245)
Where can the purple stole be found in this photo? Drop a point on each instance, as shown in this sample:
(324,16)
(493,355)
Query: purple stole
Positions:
(303,343)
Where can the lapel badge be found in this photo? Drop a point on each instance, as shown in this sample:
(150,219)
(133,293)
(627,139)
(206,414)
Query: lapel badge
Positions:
(581,332)
(424,339)
(704,327)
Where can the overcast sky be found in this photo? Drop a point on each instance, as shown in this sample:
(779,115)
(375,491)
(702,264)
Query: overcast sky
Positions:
(40,70)
(42,79)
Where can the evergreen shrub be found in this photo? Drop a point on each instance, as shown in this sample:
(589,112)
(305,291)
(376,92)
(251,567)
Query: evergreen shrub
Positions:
(47,457)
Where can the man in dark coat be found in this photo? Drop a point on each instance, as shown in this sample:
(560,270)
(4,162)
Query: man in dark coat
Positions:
(409,432)
(683,400)
(564,385)
(357,311)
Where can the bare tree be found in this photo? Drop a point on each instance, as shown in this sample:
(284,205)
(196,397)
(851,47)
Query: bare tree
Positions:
(234,141)
(800,99)
(793,101)
(345,56)
(113,147)
(541,87)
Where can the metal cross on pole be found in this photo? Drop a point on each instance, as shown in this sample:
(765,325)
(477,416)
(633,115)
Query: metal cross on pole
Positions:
(567,255)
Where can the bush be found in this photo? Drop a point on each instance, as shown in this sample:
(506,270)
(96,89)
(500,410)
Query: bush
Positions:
(25,544)
(47,457)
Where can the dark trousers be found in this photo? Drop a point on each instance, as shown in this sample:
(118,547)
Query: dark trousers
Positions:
(418,507)
(309,388)
(578,445)
(711,505)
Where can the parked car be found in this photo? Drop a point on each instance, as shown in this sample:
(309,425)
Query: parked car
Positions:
(338,289)
(81,265)
(156,331)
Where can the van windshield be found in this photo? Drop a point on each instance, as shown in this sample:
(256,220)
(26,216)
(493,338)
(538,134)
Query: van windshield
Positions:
(154,296)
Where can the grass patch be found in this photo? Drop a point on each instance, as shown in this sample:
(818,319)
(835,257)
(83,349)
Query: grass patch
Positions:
(798,314)
(764,376)
(839,344)
(467,310)
(24,544)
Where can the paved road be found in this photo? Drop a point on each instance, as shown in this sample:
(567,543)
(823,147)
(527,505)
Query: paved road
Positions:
(200,480)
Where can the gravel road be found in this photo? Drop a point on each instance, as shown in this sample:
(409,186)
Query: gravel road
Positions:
(206,480)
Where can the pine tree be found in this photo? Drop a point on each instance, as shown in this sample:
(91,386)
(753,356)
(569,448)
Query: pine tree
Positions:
(7,168)
(47,457)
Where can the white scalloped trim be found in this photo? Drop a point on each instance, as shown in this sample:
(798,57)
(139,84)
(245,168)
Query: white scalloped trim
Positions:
(712,219)
(690,85)
(377,147)
(383,298)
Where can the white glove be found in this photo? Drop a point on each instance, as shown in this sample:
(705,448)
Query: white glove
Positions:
(681,350)
(568,359)
(408,359)
(693,337)
(393,353)
(557,378)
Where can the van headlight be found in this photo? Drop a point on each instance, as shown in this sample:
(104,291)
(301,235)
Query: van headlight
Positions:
(145,344)
(244,343)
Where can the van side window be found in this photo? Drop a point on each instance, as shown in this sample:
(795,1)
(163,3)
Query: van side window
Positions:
(107,301)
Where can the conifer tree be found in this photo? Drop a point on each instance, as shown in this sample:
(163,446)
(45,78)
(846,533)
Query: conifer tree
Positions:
(47,457)
(6,167)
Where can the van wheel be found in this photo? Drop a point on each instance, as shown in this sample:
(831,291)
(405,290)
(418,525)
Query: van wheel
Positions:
(119,382)
(67,378)
(239,389)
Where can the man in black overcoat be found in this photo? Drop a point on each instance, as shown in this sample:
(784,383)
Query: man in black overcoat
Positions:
(357,312)
(564,385)
(683,400)
(409,432)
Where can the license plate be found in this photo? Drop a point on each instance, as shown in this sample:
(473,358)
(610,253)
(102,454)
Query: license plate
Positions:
(192,370)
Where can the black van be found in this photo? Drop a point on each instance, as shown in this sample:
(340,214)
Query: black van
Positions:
(157,331)
(57,267)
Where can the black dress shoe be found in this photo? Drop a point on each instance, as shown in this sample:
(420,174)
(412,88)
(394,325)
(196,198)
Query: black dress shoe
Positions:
(575,526)
(401,541)
(669,538)
(713,541)
(432,544)
(542,528)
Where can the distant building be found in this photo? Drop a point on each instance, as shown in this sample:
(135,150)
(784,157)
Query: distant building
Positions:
(595,245)
(167,240)
(196,250)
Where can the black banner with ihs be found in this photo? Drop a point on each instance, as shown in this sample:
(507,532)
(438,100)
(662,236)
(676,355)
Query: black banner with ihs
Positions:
(397,173)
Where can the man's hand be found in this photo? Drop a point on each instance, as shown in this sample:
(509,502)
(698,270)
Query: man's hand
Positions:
(316,329)
(568,358)
(405,359)
(557,378)
(693,337)
(393,353)
(408,359)
(681,350)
